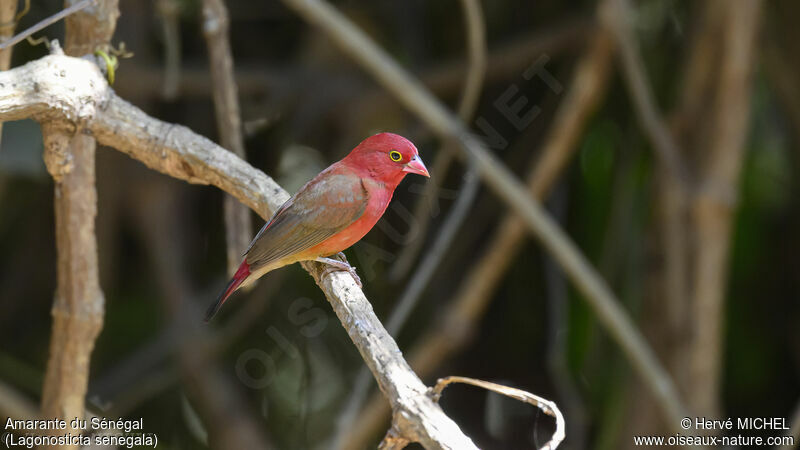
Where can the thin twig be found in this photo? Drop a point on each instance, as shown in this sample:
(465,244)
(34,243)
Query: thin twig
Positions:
(547,406)
(557,292)
(238,228)
(169,12)
(616,14)
(424,274)
(46,23)
(474,22)
(473,85)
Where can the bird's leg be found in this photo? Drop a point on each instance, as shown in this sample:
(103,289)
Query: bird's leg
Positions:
(335,264)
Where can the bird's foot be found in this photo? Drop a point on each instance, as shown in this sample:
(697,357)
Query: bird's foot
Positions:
(335,264)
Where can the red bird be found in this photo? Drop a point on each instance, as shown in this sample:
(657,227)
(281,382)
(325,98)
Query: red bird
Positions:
(331,212)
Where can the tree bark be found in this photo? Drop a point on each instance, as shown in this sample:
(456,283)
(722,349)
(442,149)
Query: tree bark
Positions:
(238,229)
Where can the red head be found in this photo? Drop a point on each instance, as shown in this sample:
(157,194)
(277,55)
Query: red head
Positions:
(386,157)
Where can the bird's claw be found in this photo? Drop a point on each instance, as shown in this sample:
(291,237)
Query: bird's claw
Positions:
(334,264)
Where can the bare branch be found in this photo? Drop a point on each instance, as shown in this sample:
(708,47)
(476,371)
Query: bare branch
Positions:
(59,87)
(616,15)
(476,71)
(238,229)
(547,406)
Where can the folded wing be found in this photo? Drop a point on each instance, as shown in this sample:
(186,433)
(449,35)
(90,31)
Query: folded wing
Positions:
(322,208)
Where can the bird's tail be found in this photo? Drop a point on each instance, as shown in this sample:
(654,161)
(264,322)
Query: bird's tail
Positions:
(237,280)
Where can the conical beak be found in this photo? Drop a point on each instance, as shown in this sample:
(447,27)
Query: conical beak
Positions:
(416,166)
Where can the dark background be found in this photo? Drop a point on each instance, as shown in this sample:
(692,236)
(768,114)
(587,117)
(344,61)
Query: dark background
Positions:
(305,105)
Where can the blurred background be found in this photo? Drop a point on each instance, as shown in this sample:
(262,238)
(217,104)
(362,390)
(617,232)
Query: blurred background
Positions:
(711,282)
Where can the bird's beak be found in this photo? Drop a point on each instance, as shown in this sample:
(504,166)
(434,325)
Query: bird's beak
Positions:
(416,166)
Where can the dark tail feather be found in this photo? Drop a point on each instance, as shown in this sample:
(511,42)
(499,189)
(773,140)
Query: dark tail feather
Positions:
(236,281)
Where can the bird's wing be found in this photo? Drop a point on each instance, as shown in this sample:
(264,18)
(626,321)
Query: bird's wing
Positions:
(323,207)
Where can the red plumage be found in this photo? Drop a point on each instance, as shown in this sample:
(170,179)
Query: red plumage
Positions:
(331,212)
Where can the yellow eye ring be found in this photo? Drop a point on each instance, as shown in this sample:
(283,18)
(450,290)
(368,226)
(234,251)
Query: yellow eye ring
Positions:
(395,156)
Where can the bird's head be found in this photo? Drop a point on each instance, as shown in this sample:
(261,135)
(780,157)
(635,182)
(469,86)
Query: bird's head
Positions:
(387,157)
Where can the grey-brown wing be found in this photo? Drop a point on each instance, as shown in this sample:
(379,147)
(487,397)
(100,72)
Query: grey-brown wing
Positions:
(322,208)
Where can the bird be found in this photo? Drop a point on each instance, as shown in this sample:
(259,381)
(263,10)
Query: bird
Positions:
(329,213)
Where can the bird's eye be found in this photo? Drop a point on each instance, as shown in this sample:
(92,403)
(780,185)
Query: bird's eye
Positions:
(395,156)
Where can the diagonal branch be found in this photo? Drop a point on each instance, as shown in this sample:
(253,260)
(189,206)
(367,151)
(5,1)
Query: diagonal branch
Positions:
(71,9)
(238,229)
(59,88)
(506,186)
(473,85)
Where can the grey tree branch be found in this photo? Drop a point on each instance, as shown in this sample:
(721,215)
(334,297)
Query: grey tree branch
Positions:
(505,185)
(60,88)
(238,229)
